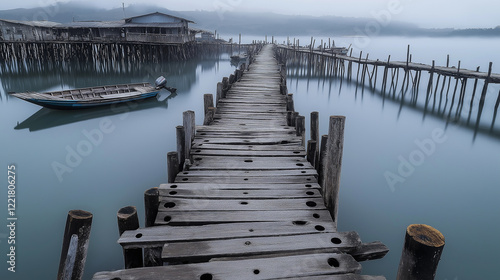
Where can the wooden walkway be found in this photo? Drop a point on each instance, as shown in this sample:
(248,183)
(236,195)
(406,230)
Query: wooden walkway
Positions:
(249,206)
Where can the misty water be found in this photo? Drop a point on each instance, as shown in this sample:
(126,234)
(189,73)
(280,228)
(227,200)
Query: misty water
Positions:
(454,187)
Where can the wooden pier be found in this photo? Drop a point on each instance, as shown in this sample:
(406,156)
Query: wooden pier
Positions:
(243,201)
(445,93)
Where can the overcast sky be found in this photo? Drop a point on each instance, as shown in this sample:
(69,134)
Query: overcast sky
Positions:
(425,13)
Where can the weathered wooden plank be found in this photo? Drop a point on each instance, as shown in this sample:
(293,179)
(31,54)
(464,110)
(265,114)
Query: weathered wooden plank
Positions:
(252,246)
(154,236)
(370,251)
(248,153)
(249,163)
(246,146)
(306,265)
(185,204)
(175,218)
(250,173)
(240,128)
(292,140)
(267,186)
(204,193)
(249,180)
(338,277)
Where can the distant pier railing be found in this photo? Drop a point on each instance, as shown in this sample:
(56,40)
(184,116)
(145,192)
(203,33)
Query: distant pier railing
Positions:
(444,93)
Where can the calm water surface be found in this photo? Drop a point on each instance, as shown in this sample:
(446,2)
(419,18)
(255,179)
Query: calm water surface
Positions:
(454,187)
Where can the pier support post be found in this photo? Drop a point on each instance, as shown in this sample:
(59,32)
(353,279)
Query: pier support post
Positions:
(321,162)
(179,131)
(172,166)
(208,101)
(75,245)
(152,256)
(188,119)
(225,87)
(289,102)
(300,127)
(315,126)
(333,164)
(421,253)
(311,152)
(128,220)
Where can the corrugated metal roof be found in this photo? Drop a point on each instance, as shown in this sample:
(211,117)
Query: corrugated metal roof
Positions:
(158,13)
(47,24)
(116,24)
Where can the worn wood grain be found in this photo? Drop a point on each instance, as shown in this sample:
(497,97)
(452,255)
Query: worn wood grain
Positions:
(211,217)
(251,246)
(306,265)
(154,236)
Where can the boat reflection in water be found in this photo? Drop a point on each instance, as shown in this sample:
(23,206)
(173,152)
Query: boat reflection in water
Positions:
(49,118)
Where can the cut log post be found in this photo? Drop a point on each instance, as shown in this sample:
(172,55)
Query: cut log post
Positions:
(189,132)
(128,220)
(179,130)
(211,115)
(289,116)
(289,103)
(315,126)
(321,161)
(421,253)
(294,118)
(208,101)
(225,87)
(172,166)
(152,256)
(75,245)
(219,93)
(311,152)
(333,165)
(300,127)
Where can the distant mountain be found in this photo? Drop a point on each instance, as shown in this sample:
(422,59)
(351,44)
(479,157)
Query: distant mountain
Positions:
(234,22)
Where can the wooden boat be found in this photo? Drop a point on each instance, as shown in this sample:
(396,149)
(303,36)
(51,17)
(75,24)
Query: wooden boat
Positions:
(93,96)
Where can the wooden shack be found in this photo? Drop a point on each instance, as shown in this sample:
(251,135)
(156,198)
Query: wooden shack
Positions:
(15,30)
(149,28)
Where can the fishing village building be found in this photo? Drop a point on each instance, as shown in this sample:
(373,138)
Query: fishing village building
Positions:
(151,28)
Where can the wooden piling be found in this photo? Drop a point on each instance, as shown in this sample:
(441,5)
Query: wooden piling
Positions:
(333,165)
(315,126)
(300,128)
(179,131)
(321,162)
(172,166)
(421,253)
(219,94)
(289,103)
(208,101)
(152,256)
(188,119)
(128,220)
(75,245)
(311,152)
